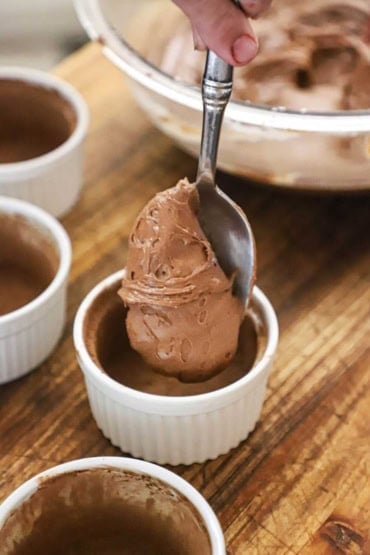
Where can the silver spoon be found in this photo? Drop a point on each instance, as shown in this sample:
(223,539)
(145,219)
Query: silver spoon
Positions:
(224,224)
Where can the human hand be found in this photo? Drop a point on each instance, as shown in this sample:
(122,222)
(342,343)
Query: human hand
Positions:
(223,27)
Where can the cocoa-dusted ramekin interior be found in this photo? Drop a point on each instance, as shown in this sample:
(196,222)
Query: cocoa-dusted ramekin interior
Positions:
(34,120)
(105,511)
(108,345)
(29,261)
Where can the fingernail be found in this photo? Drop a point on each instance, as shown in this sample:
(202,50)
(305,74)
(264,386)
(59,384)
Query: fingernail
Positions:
(244,49)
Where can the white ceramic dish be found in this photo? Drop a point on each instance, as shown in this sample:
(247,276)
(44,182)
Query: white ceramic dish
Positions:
(296,149)
(30,333)
(177,430)
(25,491)
(53,180)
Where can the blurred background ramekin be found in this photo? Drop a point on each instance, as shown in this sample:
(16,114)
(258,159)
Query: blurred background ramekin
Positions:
(53,180)
(296,149)
(29,334)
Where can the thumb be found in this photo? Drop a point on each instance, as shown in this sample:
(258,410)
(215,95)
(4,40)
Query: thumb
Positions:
(223,28)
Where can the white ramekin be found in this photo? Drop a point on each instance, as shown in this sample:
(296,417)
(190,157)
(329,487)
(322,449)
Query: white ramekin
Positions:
(30,333)
(210,520)
(177,430)
(52,181)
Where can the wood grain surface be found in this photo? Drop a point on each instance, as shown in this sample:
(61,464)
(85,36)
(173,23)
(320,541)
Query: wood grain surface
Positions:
(301,482)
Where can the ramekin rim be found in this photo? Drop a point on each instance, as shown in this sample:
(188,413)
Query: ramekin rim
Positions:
(211,522)
(75,100)
(62,241)
(272,337)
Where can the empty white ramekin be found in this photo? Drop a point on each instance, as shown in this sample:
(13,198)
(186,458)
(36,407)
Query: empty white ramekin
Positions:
(211,523)
(53,180)
(177,430)
(30,333)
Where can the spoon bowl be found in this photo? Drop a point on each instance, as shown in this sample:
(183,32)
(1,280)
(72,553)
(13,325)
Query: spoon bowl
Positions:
(229,232)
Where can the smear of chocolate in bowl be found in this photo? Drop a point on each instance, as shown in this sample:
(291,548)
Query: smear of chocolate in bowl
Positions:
(324,39)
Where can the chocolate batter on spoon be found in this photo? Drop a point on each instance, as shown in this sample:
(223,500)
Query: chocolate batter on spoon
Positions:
(183,317)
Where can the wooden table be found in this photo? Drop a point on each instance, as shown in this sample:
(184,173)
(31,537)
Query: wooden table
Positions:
(301,482)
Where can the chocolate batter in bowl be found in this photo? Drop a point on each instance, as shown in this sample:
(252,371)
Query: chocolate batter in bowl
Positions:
(312,56)
(108,506)
(300,115)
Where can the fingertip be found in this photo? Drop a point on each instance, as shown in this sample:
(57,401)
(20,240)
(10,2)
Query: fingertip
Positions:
(227,31)
(244,49)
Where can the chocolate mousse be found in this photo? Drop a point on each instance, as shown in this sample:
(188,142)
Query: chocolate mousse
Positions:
(28,262)
(108,345)
(313,55)
(104,512)
(33,120)
(183,317)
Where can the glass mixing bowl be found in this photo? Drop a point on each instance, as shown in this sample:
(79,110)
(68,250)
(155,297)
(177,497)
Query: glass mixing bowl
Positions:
(296,149)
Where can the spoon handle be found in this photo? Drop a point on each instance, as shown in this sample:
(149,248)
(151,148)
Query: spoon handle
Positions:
(216,90)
